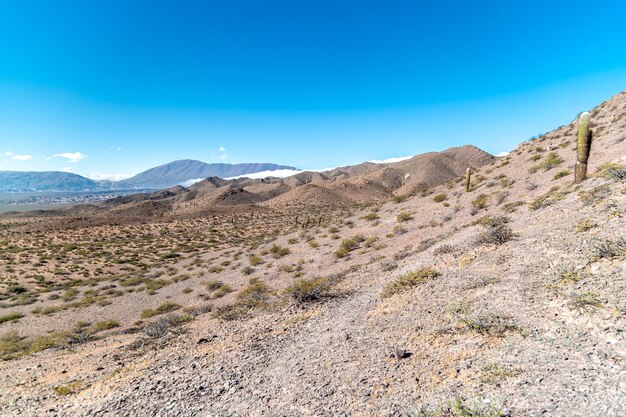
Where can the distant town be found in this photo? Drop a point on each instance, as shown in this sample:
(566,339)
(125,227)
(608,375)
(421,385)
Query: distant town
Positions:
(44,200)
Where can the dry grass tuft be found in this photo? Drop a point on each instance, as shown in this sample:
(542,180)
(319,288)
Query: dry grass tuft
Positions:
(408,281)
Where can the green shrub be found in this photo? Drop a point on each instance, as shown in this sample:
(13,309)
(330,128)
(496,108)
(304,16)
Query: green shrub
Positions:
(347,246)
(10,317)
(481,320)
(166,307)
(255,260)
(371,217)
(585,225)
(561,174)
(310,290)
(12,345)
(585,300)
(279,252)
(105,325)
(257,294)
(495,234)
(552,160)
(222,291)
(612,171)
(407,281)
(480,202)
(404,216)
(68,389)
(440,197)
(594,195)
(610,249)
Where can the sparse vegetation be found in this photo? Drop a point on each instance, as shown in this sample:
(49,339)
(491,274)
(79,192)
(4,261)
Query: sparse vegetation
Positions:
(460,408)
(279,251)
(561,174)
(585,225)
(162,326)
(162,309)
(594,195)
(67,389)
(494,373)
(610,249)
(496,232)
(552,160)
(480,202)
(481,320)
(443,249)
(371,217)
(348,245)
(404,216)
(586,299)
(310,290)
(612,171)
(408,281)
(255,296)
(12,345)
(10,317)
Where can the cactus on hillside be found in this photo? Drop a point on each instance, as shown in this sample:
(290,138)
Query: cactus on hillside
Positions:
(468,178)
(583,147)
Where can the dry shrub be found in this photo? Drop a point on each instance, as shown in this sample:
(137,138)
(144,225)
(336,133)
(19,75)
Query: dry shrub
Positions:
(407,281)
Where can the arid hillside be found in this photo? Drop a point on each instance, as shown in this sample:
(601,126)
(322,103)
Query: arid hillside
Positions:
(366,183)
(377,290)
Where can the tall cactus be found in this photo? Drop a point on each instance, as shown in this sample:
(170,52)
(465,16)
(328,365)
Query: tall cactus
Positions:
(583,147)
(468,179)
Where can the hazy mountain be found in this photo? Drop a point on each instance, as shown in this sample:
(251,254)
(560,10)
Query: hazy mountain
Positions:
(16,181)
(160,177)
(178,172)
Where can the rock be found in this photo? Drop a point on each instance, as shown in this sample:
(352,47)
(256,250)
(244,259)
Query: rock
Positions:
(399,353)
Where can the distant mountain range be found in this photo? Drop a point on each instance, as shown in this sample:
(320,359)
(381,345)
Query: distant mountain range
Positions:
(164,176)
(344,186)
(178,172)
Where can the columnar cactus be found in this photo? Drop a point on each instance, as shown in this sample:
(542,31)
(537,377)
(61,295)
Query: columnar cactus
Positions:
(583,147)
(468,179)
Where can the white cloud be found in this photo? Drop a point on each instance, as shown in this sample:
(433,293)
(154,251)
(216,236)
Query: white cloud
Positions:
(191,182)
(390,160)
(18,157)
(72,157)
(280,173)
(108,177)
(223,157)
(66,169)
(503,153)
(222,149)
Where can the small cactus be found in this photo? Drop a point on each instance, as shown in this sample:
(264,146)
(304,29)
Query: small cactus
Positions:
(468,179)
(583,147)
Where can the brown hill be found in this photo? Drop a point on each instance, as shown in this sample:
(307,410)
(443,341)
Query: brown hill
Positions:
(359,184)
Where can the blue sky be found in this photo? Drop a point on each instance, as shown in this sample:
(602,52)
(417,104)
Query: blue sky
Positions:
(116,87)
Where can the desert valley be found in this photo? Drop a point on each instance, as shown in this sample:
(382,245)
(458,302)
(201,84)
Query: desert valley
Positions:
(392,289)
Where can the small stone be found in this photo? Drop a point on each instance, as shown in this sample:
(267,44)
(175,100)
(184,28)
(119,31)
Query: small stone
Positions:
(399,353)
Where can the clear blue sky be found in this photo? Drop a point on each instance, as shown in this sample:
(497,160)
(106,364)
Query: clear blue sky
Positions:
(121,86)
